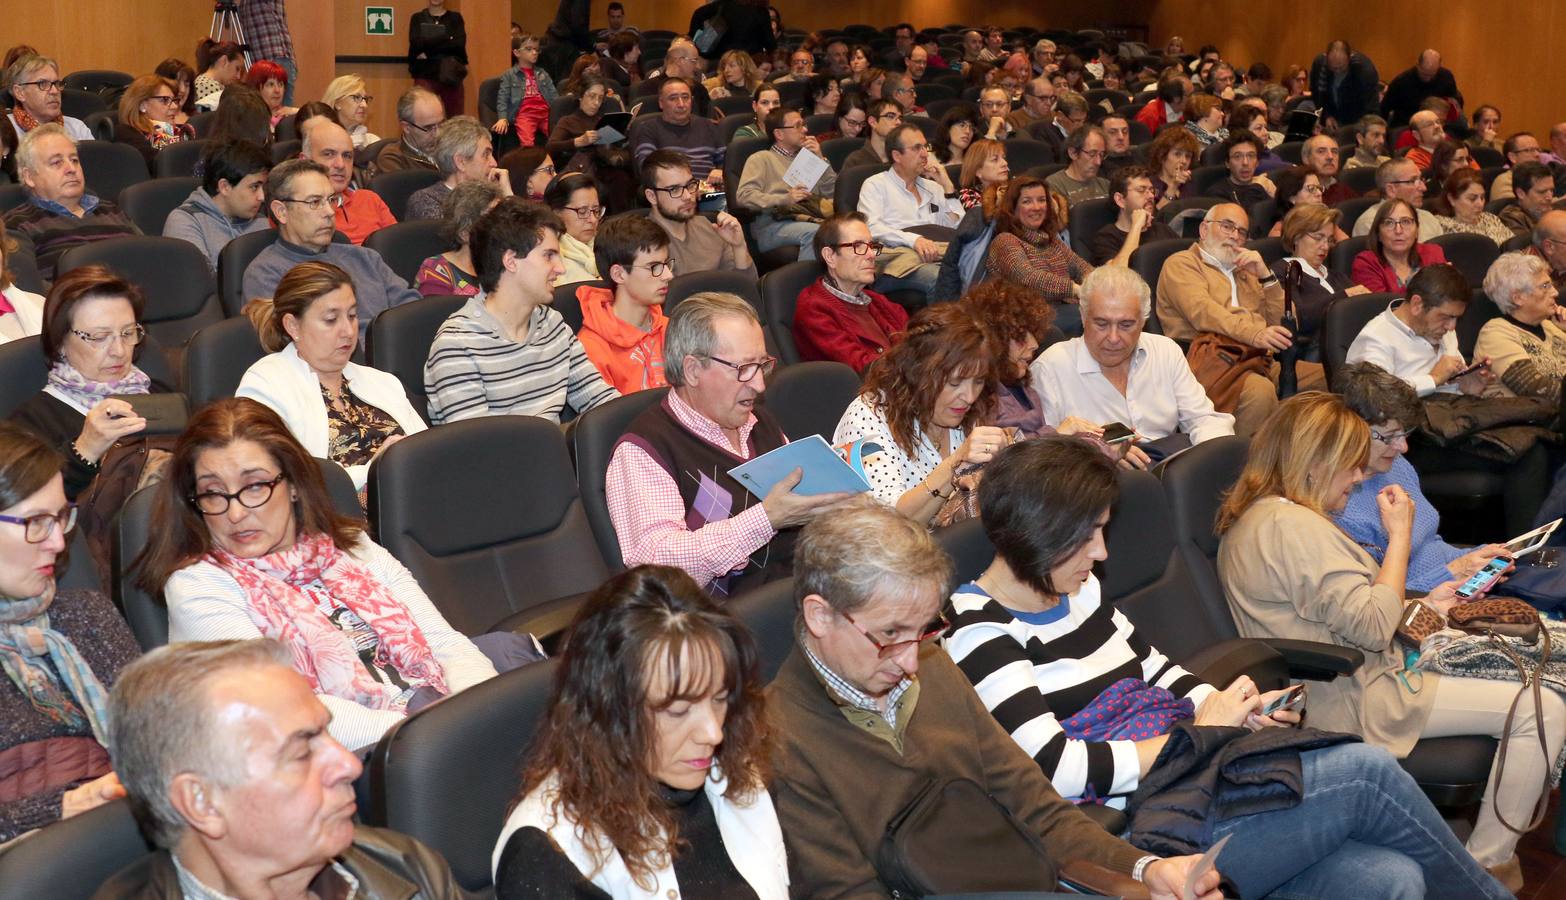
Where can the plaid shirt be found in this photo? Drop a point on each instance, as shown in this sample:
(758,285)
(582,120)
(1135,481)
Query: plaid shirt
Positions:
(853,696)
(266,29)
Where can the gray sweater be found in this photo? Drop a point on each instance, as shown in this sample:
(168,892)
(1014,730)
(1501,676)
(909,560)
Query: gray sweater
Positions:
(375,285)
(199,221)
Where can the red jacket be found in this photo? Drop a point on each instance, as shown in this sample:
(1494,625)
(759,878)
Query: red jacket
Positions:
(1154,115)
(1372,272)
(824,329)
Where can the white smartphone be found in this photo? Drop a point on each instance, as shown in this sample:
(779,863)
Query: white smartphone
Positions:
(1527,543)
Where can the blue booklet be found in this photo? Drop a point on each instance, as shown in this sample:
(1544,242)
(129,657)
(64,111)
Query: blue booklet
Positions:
(825,470)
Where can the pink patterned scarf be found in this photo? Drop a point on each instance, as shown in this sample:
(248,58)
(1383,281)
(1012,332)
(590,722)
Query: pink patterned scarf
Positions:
(280,607)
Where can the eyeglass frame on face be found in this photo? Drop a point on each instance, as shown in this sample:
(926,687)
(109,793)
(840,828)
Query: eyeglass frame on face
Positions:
(1388,440)
(1417,179)
(169,100)
(65,519)
(314,204)
(585,212)
(769,364)
(132,336)
(677,191)
(887,651)
(421,129)
(45,85)
(228,499)
(861,248)
(655,268)
(1399,224)
(359,98)
(1227,227)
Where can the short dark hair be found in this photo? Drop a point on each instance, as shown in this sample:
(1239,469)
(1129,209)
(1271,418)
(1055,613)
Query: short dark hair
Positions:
(1439,284)
(231,161)
(1525,174)
(775,120)
(27,464)
(68,292)
(819,86)
(560,189)
(894,141)
(1171,89)
(1120,182)
(662,159)
(1237,138)
(1510,144)
(1259,71)
(616,6)
(621,238)
(1040,501)
(514,224)
(282,176)
(1377,396)
(831,231)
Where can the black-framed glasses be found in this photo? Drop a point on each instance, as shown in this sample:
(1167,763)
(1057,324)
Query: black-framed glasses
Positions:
(861,248)
(36,529)
(1390,438)
(932,631)
(251,496)
(1417,179)
(656,269)
(100,339)
(314,204)
(585,212)
(422,129)
(360,98)
(744,372)
(167,99)
(48,87)
(679,190)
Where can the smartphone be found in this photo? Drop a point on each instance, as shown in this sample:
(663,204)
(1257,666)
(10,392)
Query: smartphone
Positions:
(1115,432)
(1482,364)
(1485,578)
(1293,698)
(165,413)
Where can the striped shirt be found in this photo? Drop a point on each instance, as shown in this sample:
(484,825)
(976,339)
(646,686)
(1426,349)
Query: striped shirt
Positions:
(699,139)
(1030,675)
(474,369)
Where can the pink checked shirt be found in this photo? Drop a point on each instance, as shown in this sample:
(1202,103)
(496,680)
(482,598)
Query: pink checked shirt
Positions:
(649,516)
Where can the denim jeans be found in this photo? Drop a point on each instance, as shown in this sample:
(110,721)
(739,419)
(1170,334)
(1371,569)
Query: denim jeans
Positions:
(1068,318)
(772,234)
(292,68)
(921,279)
(1362,831)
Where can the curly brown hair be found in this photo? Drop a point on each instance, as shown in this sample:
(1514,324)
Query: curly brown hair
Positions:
(941,342)
(599,738)
(1166,142)
(1008,312)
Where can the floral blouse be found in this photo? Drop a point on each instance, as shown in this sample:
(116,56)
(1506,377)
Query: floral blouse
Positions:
(357,430)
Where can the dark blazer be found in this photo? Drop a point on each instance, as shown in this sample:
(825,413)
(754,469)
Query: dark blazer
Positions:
(1355,97)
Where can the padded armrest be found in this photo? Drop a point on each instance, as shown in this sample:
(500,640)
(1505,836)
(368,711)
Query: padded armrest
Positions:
(1316,660)
(1219,664)
(546,621)
(1092,878)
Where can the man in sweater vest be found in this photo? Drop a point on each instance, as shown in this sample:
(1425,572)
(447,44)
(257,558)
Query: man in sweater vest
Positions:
(671,498)
(785,214)
(59,213)
(869,710)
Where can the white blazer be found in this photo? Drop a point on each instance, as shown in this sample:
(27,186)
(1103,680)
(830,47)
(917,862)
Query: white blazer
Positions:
(751,835)
(29,313)
(285,383)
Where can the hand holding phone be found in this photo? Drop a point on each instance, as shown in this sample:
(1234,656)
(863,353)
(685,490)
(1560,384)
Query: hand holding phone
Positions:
(1481,364)
(1115,432)
(1485,578)
(1293,698)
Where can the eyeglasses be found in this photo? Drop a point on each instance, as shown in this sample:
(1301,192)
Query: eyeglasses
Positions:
(421,128)
(861,248)
(314,204)
(1224,226)
(48,87)
(744,372)
(161,99)
(680,190)
(585,212)
(931,632)
(1417,179)
(1392,438)
(100,339)
(360,98)
(1311,189)
(36,529)
(1093,154)
(251,496)
(1399,224)
(656,270)
(891,116)
(912,147)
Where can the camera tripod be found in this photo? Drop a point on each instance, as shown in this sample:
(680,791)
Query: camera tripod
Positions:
(225,18)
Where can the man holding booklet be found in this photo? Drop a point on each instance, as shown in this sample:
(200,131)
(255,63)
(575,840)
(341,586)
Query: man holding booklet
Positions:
(789,185)
(671,496)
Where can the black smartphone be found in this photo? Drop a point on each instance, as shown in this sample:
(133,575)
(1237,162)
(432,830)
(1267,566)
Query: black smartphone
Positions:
(1115,432)
(165,413)
(1482,364)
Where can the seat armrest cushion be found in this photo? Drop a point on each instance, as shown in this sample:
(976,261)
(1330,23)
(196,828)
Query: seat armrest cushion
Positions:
(1092,878)
(1316,660)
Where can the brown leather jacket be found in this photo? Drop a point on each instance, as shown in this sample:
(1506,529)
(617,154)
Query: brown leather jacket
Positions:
(388,866)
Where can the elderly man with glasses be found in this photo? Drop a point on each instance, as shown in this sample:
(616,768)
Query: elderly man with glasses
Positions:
(1518,148)
(419,115)
(838,317)
(1399,179)
(59,213)
(35,85)
(671,497)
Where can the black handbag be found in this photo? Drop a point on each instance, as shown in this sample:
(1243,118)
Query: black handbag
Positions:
(954,838)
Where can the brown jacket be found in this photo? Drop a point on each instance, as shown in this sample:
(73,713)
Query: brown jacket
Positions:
(1289,572)
(394,157)
(838,784)
(1193,296)
(388,865)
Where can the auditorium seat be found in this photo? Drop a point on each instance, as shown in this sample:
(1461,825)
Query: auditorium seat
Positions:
(72,858)
(180,292)
(406,245)
(1472,254)
(178,160)
(148,203)
(780,291)
(1148,259)
(810,397)
(724,281)
(1344,320)
(399,339)
(110,168)
(1087,218)
(233,259)
(217,358)
(593,438)
(849,182)
(394,188)
(1341,258)
(768,610)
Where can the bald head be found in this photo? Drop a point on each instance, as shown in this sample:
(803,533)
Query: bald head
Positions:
(1558,138)
(1429,64)
(327,143)
(1551,226)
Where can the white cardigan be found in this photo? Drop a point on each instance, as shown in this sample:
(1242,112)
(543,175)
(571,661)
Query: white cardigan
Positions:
(207,604)
(285,383)
(29,314)
(751,835)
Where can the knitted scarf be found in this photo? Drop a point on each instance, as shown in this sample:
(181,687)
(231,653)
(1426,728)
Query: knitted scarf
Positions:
(279,587)
(24,120)
(64,378)
(28,647)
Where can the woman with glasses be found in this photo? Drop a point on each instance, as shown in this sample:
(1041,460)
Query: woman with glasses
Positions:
(60,649)
(849,119)
(1027,250)
(348,97)
(222,63)
(1289,571)
(1297,185)
(146,118)
(648,776)
(956,132)
(246,544)
(338,409)
(183,78)
(1526,345)
(1393,251)
(1308,233)
(574,137)
(1106,715)
(91,338)
(35,87)
(451,274)
(1460,208)
(271,80)
(531,170)
(927,404)
(574,197)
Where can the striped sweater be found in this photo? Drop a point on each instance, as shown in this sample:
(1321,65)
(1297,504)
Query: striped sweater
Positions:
(1030,675)
(474,369)
(54,231)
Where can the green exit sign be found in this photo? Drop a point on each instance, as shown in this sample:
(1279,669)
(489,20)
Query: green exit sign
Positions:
(378,20)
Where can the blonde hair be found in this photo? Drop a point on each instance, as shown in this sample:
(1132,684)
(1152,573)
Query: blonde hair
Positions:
(342,86)
(299,288)
(139,92)
(1309,439)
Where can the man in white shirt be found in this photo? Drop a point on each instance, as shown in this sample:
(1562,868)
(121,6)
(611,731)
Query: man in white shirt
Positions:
(1399,179)
(914,192)
(1416,339)
(1115,373)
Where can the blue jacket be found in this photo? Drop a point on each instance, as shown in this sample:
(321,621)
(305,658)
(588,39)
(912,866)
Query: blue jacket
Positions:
(513,89)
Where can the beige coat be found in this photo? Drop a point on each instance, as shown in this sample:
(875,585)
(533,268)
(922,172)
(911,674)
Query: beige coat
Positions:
(1194,296)
(1289,572)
